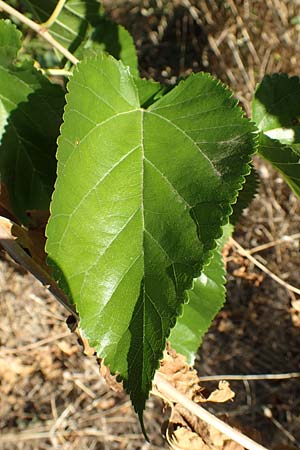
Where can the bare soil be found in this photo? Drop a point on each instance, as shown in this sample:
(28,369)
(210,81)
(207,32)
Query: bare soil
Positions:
(51,396)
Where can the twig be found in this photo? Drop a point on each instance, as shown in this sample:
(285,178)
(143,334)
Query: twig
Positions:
(266,376)
(279,241)
(8,242)
(276,278)
(57,72)
(39,29)
(268,413)
(174,396)
(56,12)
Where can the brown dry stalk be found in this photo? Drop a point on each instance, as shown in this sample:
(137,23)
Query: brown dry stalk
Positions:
(252,377)
(247,254)
(16,252)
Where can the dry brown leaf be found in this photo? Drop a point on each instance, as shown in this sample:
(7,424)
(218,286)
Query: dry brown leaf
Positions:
(182,376)
(195,433)
(185,379)
(184,439)
(222,394)
(87,349)
(186,431)
(110,379)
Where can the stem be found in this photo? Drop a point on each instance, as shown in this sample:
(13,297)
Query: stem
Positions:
(8,242)
(169,392)
(244,252)
(54,15)
(57,72)
(40,30)
(263,376)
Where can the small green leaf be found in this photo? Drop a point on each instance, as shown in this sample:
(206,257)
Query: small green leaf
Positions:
(141,195)
(10,42)
(205,301)
(149,91)
(31,113)
(115,40)
(284,158)
(276,111)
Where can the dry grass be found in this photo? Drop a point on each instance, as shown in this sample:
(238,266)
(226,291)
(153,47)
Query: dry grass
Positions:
(51,396)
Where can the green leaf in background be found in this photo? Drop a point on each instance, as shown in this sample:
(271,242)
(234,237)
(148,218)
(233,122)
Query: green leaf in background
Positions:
(3,119)
(276,111)
(205,300)
(115,40)
(72,25)
(82,28)
(10,42)
(31,112)
(149,91)
(140,198)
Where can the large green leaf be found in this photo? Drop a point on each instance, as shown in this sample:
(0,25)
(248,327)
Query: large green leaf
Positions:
(276,111)
(205,301)
(31,113)
(140,198)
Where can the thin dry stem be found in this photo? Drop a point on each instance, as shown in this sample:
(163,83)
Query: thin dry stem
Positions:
(247,254)
(16,252)
(263,376)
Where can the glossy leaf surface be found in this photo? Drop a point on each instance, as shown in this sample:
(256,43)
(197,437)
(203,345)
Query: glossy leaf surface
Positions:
(276,111)
(140,198)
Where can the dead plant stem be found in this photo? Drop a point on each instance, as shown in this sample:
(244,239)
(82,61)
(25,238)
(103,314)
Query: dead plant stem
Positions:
(263,376)
(247,254)
(16,252)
